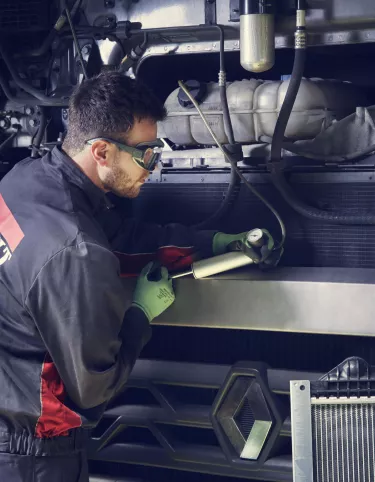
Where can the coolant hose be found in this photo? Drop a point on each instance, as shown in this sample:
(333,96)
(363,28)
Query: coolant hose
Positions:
(286,108)
(277,175)
(310,212)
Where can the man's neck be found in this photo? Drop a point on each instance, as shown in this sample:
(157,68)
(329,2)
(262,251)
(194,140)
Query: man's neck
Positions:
(87,166)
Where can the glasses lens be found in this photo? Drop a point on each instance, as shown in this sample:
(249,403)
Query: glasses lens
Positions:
(151,157)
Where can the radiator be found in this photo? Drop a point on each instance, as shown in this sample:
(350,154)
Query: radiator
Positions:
(333,434)
(343,434)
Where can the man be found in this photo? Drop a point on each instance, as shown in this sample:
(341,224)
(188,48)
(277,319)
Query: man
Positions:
(68,342)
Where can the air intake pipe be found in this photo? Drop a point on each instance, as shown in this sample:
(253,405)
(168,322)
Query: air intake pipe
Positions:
(257,35)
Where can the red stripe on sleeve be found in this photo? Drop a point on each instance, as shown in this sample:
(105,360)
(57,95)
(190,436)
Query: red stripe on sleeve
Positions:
(9,228)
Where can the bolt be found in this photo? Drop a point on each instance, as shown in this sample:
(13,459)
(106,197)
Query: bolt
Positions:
(65,114)
(32,123)
(29,111)
(85,50)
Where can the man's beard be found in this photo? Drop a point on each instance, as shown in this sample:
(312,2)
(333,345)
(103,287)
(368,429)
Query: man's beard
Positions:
(120,183)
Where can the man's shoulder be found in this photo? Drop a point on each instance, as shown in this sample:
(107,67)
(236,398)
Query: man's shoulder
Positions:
(45,212)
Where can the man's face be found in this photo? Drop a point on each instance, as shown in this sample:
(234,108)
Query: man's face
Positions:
(122,175)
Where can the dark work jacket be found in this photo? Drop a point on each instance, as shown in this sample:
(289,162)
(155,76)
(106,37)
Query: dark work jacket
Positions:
(67,343)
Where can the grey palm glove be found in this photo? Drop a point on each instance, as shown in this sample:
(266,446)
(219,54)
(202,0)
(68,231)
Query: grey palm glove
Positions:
(222,241)
(153,297)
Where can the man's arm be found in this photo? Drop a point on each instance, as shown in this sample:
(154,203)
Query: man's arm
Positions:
(77,303)
(136,243)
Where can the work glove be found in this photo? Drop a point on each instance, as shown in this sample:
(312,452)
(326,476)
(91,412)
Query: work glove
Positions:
(222,242)
(154,291)
(265,255)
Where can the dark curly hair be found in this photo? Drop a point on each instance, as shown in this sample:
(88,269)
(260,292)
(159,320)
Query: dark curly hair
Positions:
(108,105)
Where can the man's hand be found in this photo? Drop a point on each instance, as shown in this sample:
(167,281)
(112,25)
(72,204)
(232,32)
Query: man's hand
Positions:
(265,255)
(153,297)
(222,241)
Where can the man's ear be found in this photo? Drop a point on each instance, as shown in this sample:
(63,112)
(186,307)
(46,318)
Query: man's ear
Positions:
(102,153)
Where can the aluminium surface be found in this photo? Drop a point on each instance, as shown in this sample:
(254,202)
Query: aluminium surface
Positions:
(307,300)
(337,22)
(301,431)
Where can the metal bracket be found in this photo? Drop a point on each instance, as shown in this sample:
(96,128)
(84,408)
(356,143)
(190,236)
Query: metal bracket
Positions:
(234,11)
(210,12)
(300,399)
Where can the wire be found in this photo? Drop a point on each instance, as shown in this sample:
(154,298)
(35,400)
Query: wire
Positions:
(234,165)
(75,39)
(7,140)
(234,182)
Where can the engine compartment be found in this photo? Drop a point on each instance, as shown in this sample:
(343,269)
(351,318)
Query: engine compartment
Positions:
(40,65)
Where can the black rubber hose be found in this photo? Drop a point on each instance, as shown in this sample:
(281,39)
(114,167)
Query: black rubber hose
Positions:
(310,212)
(39,135)
(277,175)
(22,84)
(234,182)
(286,108)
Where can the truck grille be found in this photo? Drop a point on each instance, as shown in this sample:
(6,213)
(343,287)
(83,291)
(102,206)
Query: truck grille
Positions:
(343,439)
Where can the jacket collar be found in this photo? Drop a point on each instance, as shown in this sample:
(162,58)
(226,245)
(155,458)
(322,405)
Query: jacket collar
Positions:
(74,175)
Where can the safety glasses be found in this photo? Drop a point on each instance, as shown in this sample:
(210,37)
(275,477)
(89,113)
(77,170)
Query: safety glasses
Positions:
(146,155)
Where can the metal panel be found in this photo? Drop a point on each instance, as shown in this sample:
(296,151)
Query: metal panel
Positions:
(308,300)
(167,13)
(329,23)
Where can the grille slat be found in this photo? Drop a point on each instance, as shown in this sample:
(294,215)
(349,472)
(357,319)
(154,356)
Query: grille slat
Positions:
(343,442)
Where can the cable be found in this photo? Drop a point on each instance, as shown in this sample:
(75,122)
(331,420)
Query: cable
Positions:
(234,165)
(234,182)
(75,39)
(7,140)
